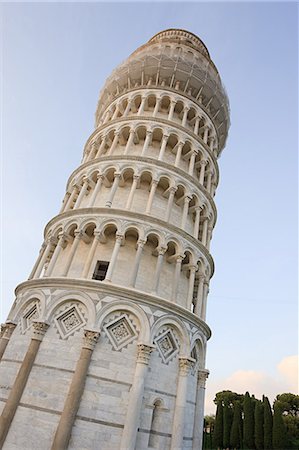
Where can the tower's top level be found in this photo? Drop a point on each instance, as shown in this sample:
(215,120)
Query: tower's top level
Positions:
(173,61)
(181,37)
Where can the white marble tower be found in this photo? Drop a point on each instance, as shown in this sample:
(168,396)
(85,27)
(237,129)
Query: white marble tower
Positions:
(105,344)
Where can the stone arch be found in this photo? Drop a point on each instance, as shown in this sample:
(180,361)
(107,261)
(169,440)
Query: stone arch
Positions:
(30,297)
(198,346)
(179,326)
(124,305)
(77,296)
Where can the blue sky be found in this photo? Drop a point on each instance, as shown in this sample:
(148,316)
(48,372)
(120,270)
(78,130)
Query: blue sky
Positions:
(55,60)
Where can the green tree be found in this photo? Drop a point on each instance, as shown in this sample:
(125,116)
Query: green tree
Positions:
(248,423)
(279,431)
(227,423)
(218,430)
(236,429)
(268,423)
(259,425)
(209,425)
(289,405)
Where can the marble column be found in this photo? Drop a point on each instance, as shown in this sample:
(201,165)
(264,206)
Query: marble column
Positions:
(116,111)
(172,191)
(64,202)
(161,252)
(146,142)
(40,255)
(132,192)
(206,134)
(192,270)
(204,234)
(91,254)
(185,114)
(196,126)
(151,196)
(202,375)
(198,210)
(157,106)
(113,189)
(101,147)
(130,141)
(171,109)
(163,147)
(192,162)
(50,243)
(187,200)
(9,410)
(140,245)
(178,154)
(203,164)
(132,420)
(141,107)
(176,278)
(209,181)
(71,198)
(96,189)
(76,389)
(128,108)
(114,143)
(178,425)
(199,297)
(204,300)
(118,241)
(62,239)
(74,246)
(82,193)
(6,331)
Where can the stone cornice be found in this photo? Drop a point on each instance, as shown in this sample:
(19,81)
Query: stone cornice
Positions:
(119,291)
(169,123)
(156,163)
(130,215)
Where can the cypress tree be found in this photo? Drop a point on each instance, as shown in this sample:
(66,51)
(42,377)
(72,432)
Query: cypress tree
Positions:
(268,424)
(236,429)
(259,425)
(248,406)
(279,431)
(227,423)
(218,430)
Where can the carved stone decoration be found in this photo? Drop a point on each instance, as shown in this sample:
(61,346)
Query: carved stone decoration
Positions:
(167,345)
(120,332)
(39,329)
(202,376)
(144,353)
(7,329)
(90,339)
(186,365)
(30,313)
(69,321)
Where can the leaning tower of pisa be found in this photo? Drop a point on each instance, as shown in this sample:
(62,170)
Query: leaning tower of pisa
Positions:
(105,343)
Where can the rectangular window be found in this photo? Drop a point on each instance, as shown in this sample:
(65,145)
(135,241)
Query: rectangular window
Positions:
(100,270)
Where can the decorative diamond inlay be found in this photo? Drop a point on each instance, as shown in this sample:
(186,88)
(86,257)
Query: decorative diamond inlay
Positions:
(32,312)
(120,332)
(69,321)
(167,346)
